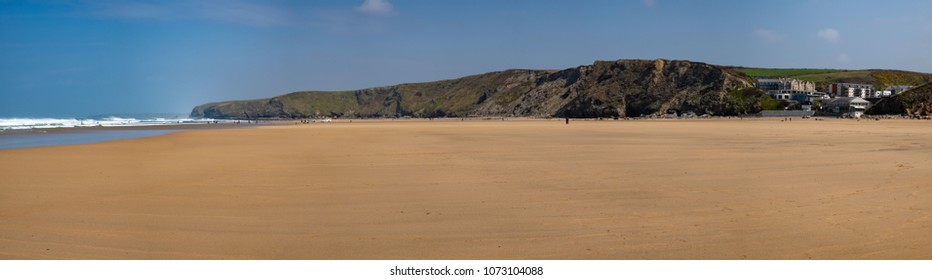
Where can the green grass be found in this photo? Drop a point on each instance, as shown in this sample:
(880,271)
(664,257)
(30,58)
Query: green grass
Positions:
(822,77)
(319,102)
(894,77)
(833,76)
(769,103)
(788,72)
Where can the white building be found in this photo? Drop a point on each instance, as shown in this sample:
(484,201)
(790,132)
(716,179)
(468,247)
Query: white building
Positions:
(894,90)
(784,84)
(883,93)
(847,106)
(782,95)
(851,90)
(891,91)
(858,92)
(786,88)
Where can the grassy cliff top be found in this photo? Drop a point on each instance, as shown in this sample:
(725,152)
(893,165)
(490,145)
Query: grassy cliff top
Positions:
(878,77)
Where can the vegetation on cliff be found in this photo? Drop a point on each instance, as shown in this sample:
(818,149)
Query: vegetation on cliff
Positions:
(914,102)
(880,79)
(623,88)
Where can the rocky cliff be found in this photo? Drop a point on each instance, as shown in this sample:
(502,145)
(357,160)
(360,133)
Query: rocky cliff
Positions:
(914,102)
(623,88)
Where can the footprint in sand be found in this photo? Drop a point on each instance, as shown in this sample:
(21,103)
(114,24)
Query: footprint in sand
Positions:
(904,166)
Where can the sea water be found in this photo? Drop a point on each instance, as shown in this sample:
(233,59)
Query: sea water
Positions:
(30,132)
(7,124)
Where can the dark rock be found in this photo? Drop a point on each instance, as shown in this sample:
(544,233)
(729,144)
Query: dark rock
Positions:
(914,102)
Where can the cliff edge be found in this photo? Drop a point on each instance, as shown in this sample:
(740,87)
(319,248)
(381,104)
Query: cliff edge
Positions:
(622,88)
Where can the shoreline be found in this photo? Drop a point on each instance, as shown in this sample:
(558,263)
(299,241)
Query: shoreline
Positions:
(35,138)
(136,127)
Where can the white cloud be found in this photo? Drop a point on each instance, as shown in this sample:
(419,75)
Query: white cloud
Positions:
(766,35)
(843,58)
(830,35)
(376,7)
(649,3)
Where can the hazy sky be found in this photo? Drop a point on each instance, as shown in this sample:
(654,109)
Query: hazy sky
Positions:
(76,58)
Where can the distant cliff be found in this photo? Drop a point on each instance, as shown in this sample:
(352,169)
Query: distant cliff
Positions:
(623,88)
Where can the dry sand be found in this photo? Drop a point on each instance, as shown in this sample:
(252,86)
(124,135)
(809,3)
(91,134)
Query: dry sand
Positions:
(517,189)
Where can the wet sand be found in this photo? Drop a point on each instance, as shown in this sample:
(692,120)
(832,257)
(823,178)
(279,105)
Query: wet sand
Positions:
(448,189)
(38,137)
(187,126)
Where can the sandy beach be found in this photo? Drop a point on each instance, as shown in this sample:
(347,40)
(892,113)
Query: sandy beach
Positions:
(450,189)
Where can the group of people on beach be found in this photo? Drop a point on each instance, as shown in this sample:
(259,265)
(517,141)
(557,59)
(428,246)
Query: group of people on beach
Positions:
(822,119)
(323,120)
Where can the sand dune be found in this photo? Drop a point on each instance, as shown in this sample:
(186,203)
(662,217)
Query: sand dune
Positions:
(516,189)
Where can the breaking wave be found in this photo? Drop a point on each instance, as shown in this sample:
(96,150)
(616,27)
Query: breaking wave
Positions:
(33,123)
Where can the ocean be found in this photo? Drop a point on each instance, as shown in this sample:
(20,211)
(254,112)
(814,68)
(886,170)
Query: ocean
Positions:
(7,124)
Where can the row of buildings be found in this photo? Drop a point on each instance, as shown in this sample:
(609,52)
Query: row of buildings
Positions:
(844,99)
(863,90)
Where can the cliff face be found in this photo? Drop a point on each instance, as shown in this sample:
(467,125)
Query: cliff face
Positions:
(914,102)
(623,88)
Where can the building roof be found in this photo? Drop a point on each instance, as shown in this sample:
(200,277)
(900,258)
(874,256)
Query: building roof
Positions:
(846,100)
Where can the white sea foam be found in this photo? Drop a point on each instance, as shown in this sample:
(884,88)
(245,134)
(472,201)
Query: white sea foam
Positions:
(33,123)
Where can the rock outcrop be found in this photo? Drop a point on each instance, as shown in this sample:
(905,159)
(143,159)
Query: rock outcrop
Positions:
(913,102)
(623,88)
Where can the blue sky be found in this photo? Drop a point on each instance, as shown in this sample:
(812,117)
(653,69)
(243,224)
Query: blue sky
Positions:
(77,58)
